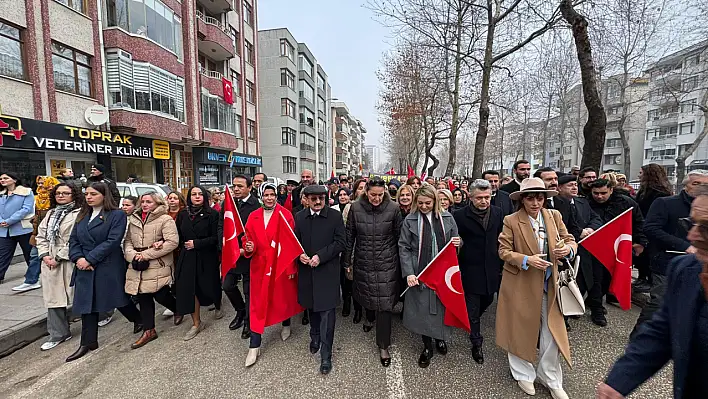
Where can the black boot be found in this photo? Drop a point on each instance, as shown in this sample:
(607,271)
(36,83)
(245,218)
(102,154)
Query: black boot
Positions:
(347,307)
(305,318)
(424,359)
(598,318)
(137,327)
(477,354)
(357,316)
(246,333)
(83,349)
(237,322)
(441,346)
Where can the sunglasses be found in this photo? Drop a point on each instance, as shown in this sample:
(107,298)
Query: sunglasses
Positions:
(688,223)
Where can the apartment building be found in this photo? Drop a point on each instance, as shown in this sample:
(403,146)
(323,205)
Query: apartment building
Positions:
(294,97)
(160,89)
(375,164)
(677,84)
(348,133)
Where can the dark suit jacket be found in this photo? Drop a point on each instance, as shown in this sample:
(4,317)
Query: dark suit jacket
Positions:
(501,199)
(480,266)
(568,212)
(243,265)
(510,187)
(663,230)
(667,336)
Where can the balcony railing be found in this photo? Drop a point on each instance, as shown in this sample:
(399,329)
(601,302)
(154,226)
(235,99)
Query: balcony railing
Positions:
(212,21)
(210,74)
(664,137)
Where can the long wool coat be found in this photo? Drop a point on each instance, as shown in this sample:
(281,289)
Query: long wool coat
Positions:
(423,312)
(99,241)
(158,226)
(324,236)
(480,266)
(518,322)
(56,283)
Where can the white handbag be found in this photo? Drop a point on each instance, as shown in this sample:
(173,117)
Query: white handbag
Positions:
(570,299)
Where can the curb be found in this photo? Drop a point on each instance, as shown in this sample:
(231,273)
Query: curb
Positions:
(22,335)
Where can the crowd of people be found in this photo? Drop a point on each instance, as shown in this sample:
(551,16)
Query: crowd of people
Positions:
(365,240)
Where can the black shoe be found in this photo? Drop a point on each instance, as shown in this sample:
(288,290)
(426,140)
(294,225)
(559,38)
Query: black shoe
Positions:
(367,326)
(137,327)
(567,326)
(424,359)
(385,358)
(441,346)
(82,351)
(347,307)
(599,319)
(477,354)
(642,286)
(357,317)
(604,311)
(246,333)
(237,322)
(611,300)
(314,347)
(305,318)
(325,366)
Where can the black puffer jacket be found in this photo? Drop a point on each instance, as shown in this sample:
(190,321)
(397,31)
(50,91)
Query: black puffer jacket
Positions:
(372,236)
(615,205)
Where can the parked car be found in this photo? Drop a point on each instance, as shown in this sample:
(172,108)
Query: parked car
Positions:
(276,180)
(138,189)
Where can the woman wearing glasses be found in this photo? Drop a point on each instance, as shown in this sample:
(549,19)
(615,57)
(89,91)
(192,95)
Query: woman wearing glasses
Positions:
(531,243)
(373,228)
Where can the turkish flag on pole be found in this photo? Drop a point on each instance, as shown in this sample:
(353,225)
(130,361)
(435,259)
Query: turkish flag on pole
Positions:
(289,202)
(289,248)
(233,228)
(332,175)
(611,244)
(411,172)
(451,185)
(442,275)
(228,91)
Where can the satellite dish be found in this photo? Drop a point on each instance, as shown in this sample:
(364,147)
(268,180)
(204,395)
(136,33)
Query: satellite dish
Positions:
(96,115)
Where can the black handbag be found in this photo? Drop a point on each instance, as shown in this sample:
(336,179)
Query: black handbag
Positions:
(140,265)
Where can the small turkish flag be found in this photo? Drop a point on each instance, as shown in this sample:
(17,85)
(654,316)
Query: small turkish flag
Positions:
(611,244)
(451,185)
(228,91)
(442,275)
(411,172)
(233,229)
(289,202)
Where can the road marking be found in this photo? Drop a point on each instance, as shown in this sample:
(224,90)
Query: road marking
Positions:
(62,370)
(394,376)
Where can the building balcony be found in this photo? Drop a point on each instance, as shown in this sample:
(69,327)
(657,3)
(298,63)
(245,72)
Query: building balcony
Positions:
(658,140)
(214,38)
(217,6)
(338,150)
(339,165)
(668,119)
(613,150)
(131,122)
(340,136)
(211,80)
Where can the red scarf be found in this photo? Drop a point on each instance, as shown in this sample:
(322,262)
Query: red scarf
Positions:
(144,215)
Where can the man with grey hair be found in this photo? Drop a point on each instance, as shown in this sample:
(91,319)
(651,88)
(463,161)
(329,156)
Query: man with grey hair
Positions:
(479,225)
(668,238)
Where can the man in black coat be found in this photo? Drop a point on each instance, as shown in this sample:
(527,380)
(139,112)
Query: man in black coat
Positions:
(98,175)
(500,198)
(522,170)
(479,225)
(321,232)
(550,179)
(306,180)
(246,203)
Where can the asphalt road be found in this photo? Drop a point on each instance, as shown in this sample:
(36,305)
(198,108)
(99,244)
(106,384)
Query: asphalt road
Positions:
(212,365)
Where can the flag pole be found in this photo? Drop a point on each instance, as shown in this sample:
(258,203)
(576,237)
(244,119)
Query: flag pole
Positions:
(291,230)
(428,265)
(603,226)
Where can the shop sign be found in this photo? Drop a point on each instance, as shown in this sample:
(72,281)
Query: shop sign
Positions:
(245,160)
(24,133)
(231,158)
(208,174)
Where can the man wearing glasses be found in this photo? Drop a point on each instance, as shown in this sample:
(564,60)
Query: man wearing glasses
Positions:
(667,230)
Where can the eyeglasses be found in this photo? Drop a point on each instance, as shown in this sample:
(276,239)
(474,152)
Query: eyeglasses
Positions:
(63,194)
(688,223)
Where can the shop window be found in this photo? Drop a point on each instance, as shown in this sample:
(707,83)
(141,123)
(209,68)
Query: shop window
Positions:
(27,164)
(78,5)
(123,167)
(11,51)
(72,70)
(218,115)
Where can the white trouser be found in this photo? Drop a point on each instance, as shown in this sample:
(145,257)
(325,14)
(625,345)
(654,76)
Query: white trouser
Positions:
(549,369)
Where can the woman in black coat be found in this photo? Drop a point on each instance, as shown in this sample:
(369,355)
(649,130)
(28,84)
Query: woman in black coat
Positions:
(373,229)
(99,276)
(198,281)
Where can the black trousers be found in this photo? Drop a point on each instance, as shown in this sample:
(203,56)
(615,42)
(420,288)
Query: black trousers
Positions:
(476,306)
(256,339)
(147,305)
(656,297)
(600,286)
(7,251)
(383,327)
(89,323)
(347,290)
(230,285)
(322,330)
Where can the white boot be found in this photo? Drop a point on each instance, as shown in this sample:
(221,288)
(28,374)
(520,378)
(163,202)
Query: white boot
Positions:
(527,387)
(558,393)
(252,356)
(285,333)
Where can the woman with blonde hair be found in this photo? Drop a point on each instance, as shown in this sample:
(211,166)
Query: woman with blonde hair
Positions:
(445,197)
(404,197)
(424,233)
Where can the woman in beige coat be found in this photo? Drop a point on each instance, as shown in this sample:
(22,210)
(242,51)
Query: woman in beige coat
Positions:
(149,242)
(531,243)
(53,249)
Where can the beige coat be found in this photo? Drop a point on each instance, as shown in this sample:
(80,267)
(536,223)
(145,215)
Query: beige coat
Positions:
(518,321)
(56,283)
(159,226)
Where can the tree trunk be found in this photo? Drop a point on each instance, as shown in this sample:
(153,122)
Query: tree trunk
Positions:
(484,97)
(455,125)
(594,130)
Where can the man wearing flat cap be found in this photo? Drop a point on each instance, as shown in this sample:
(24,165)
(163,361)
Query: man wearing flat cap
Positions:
(321,233)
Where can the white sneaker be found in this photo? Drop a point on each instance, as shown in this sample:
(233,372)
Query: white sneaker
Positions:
(252,356)
(24,287)
(285,333)
(168,313)
(527,387)
(104,322)
(52,344)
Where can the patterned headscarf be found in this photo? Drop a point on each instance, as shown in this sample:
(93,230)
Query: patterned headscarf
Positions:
(41,200)
(263,187)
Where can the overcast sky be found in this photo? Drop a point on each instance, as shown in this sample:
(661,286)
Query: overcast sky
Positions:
(345,40)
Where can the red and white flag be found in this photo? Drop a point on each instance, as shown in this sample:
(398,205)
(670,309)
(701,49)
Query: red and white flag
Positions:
(411,172)
(289,247)
(611,244)
(228,91)
(423,176)
(442,275)
(451,185)
(233,229)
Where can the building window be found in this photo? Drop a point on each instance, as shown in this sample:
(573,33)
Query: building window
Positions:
(287,50)
(690,83)
(289,165)
(613,159)
(251,129)
(613,143)
(287,108)
(72,70)
(77,5)
(218,115)
(250,92)
(307,117)
(321,82)
(289,136)
(307,92)
(307,142)
(287,78)
(247,13)
(248,53)
(306,65)
(689,106)
(236,82)
(148,18)
(236,39)
(11,51)
(687,128)
(305,164)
